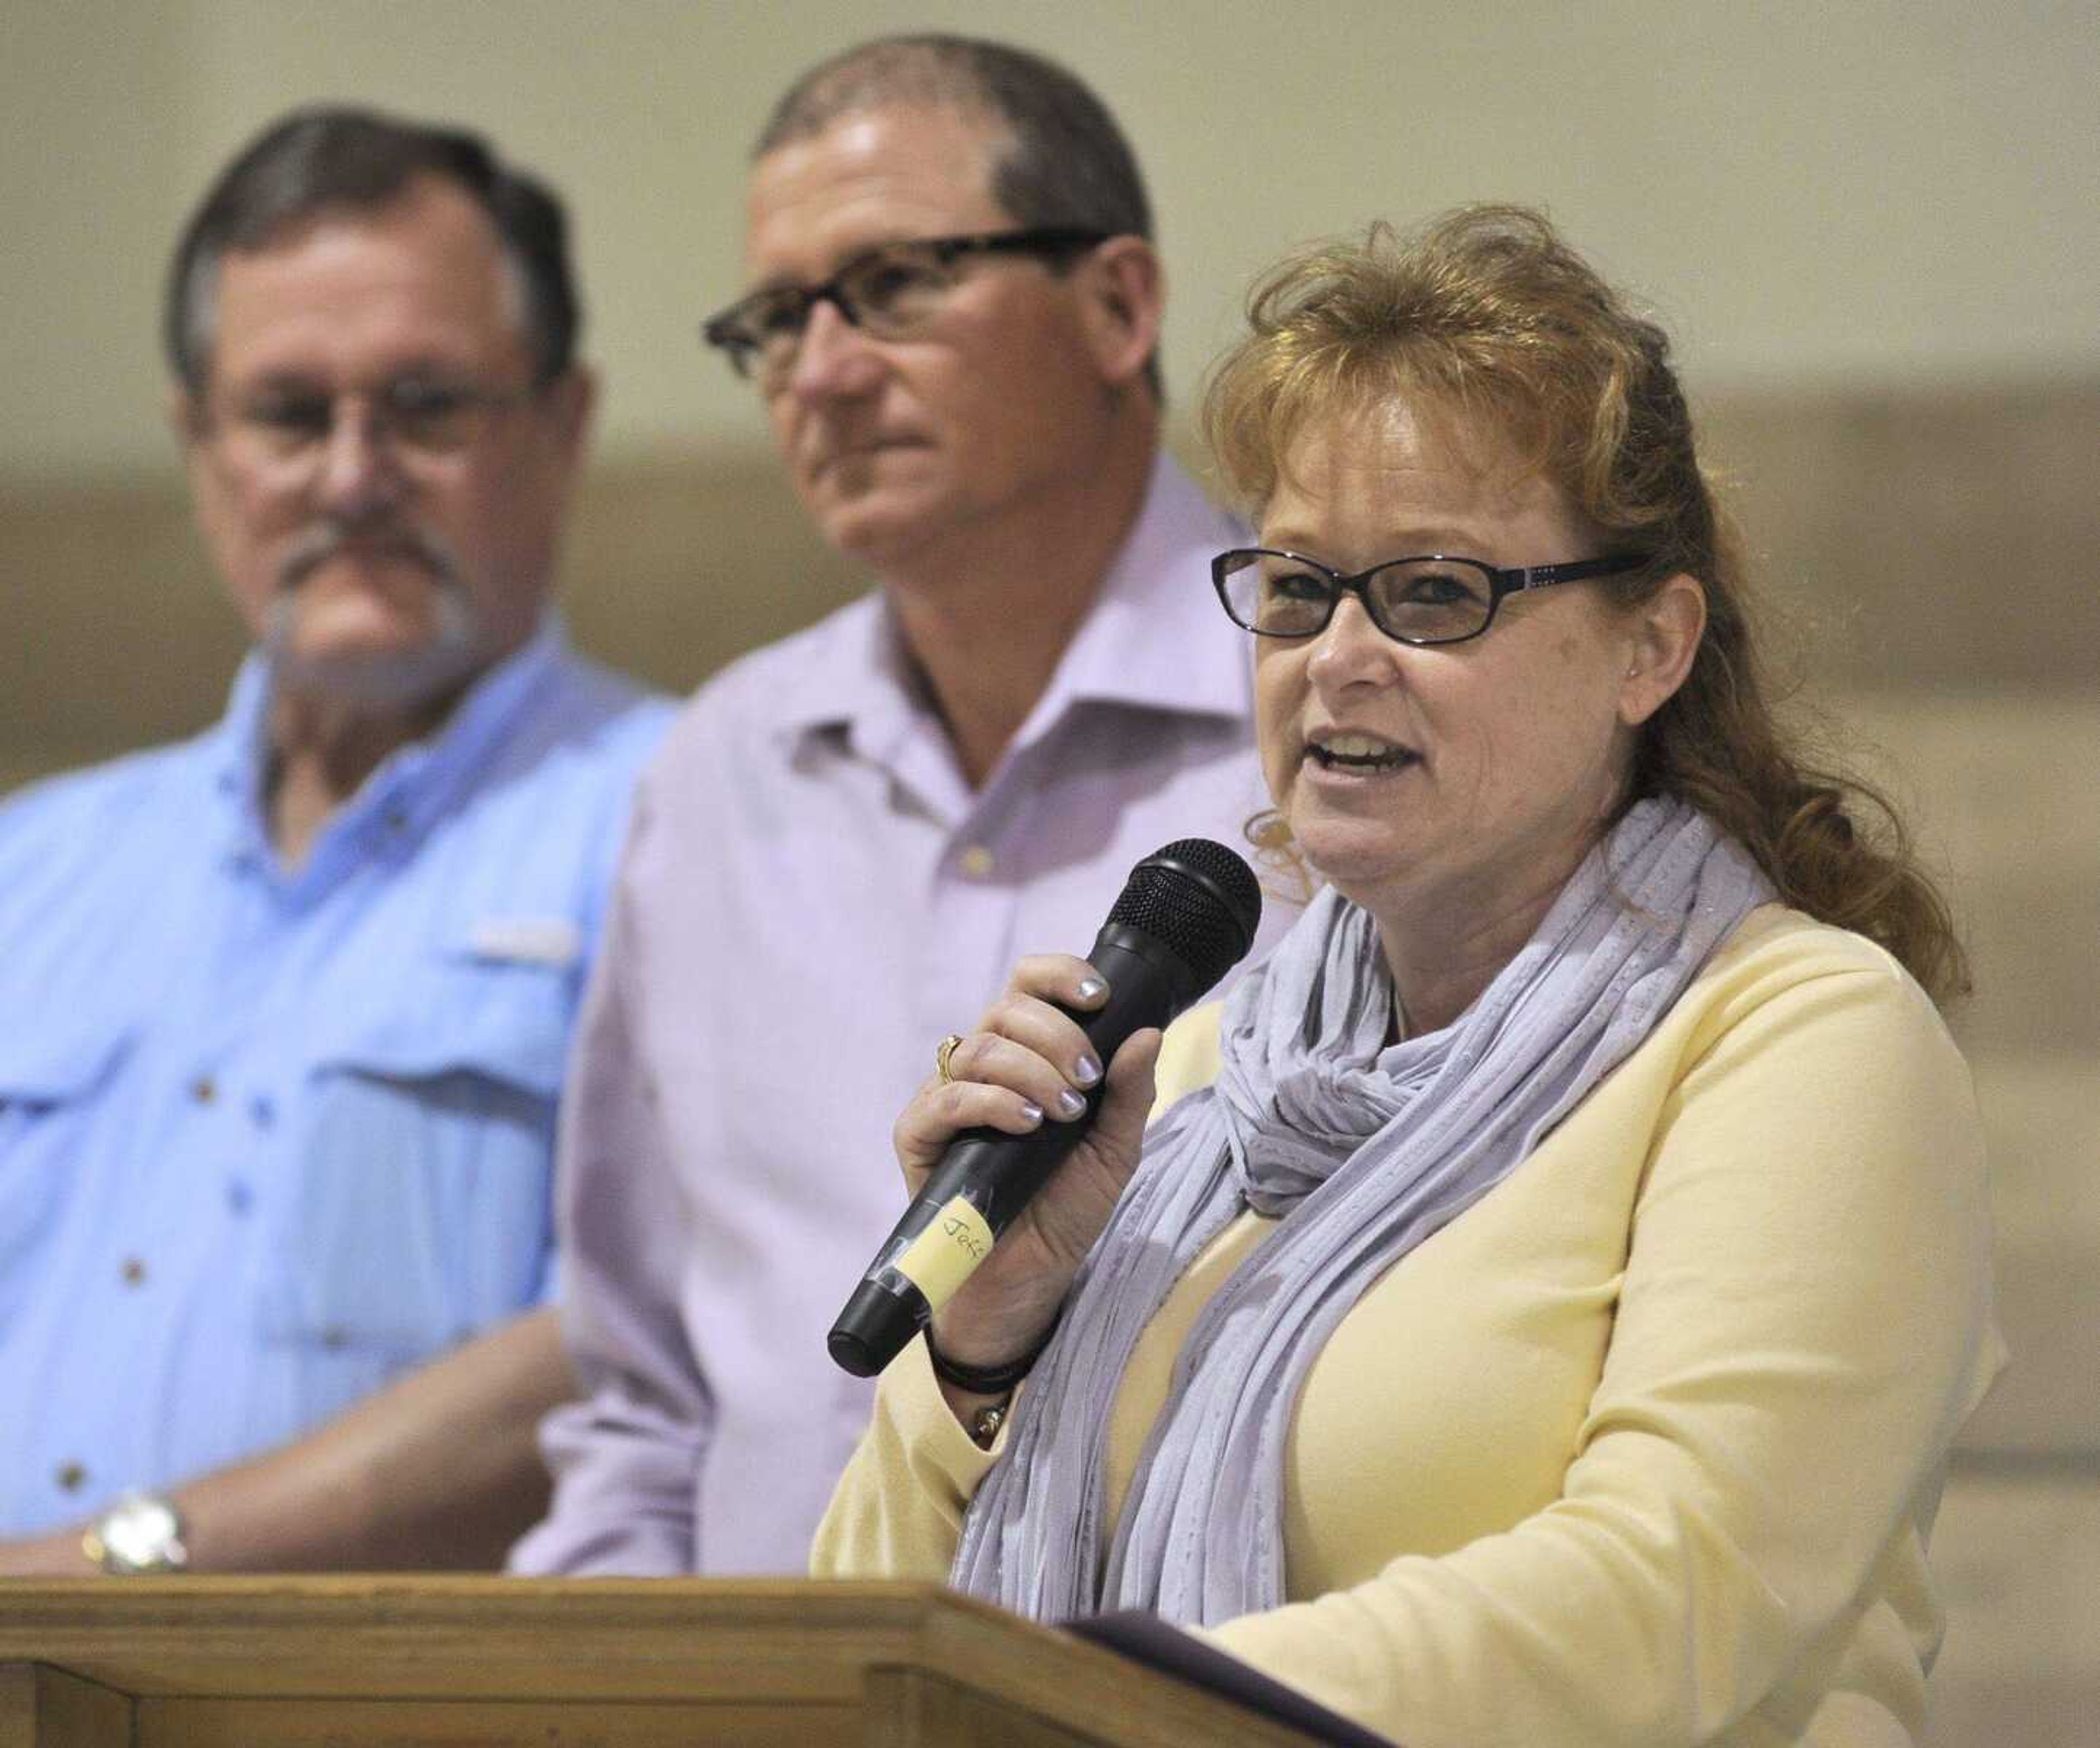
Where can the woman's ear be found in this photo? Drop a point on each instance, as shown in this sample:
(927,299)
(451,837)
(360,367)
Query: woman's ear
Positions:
(1665,630)
(1125,292)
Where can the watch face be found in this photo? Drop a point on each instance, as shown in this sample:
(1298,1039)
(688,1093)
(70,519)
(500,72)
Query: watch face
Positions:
(142,1534)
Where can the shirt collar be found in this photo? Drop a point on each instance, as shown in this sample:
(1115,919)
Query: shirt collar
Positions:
(417,783)
(857,673)
(1152,640)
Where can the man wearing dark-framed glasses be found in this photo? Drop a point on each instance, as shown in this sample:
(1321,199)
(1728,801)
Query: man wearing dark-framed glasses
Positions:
(949,318)
(891,292)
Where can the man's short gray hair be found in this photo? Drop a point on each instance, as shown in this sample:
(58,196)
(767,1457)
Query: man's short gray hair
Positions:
(317,159)
(1067,164)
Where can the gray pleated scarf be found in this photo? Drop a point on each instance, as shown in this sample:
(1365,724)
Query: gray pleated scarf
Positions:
(1368,1150)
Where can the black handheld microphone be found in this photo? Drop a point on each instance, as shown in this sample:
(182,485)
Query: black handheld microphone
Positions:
(1187,915)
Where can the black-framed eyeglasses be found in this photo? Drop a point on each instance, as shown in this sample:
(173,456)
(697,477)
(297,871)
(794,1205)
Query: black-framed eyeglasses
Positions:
(888,291)
(1431,598)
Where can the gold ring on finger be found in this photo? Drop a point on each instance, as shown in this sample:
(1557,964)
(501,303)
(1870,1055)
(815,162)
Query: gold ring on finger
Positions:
(944,1053)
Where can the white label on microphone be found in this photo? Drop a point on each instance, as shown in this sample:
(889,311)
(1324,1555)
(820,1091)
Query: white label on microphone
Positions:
(946,1253)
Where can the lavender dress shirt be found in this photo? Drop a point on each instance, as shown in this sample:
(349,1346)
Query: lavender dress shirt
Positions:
(812,896)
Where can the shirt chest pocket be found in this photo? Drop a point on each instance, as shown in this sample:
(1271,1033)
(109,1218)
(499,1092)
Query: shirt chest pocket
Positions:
(49,1082)
(412,1207)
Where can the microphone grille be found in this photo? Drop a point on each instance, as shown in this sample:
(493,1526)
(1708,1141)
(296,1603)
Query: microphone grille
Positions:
(1197,898)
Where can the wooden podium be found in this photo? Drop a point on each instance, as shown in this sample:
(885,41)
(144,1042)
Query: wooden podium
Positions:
(493,1662)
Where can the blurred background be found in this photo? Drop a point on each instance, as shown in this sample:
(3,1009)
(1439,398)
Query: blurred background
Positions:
(1872,227)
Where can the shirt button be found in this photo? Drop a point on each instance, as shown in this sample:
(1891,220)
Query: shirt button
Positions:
(238,1197)
(262,1112)
(334,1340)
(204,1089)
(133,1271)
(72,1476)
(977,861)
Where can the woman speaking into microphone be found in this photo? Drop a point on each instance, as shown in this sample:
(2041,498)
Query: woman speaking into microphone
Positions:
(1547,1318)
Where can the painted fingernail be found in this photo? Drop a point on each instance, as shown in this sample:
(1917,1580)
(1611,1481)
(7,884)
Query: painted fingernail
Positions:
(1086,1070)
(1089,987)
(1070,1103)
(1033,1112)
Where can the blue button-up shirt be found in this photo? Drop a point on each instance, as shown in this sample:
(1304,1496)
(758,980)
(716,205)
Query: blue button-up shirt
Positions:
(270,1136)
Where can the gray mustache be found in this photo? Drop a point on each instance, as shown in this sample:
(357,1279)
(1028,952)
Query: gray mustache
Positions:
(325,540)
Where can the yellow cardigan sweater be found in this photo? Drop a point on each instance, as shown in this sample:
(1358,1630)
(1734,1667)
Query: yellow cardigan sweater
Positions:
(1644,1447)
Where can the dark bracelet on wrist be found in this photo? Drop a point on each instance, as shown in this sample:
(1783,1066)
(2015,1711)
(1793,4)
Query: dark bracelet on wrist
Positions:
(987,1380)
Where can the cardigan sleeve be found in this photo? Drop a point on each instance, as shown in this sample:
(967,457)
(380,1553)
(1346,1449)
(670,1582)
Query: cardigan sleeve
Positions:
(1803,1324)
(898,1510)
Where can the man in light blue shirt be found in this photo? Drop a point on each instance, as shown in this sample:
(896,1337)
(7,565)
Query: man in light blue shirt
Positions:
(283,1010)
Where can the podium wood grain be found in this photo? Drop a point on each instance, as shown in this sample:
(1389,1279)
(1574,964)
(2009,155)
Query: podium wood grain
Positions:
(491,1663)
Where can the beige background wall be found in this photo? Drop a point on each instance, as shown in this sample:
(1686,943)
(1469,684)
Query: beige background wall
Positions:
(1874,234)
(1857,190)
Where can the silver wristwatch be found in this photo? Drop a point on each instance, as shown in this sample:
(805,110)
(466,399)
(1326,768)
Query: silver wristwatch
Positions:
(142,1532)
